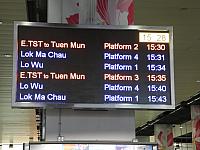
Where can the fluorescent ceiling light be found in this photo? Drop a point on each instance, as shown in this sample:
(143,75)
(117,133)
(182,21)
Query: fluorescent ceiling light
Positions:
(1,22)
(7,55)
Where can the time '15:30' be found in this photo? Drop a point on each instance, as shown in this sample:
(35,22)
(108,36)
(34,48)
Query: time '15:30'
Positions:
(156,47)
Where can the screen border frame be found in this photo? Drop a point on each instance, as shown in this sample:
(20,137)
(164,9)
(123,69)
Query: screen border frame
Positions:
(94,142)
(92,106)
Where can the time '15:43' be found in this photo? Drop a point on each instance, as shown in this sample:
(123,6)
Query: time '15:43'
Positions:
(157,99)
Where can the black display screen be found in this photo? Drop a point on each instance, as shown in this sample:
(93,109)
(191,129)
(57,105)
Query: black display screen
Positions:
(98,67)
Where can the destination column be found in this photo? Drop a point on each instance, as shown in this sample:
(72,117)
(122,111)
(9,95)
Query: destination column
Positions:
(42,74)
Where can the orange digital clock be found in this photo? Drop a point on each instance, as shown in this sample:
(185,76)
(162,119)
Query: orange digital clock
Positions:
(154,37)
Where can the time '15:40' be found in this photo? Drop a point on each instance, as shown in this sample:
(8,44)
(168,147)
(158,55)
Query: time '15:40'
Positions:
(157,88)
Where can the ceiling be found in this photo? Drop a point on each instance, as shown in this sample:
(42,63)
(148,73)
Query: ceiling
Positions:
(19,125)
(183,16)
(174,117)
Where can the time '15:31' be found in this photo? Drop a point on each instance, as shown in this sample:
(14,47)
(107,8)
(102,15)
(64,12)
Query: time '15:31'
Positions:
(156,57)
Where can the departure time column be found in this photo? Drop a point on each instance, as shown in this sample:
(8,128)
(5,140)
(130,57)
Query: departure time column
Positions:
(156,47)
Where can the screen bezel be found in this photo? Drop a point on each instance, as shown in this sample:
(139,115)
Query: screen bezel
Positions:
(90,105)
(95,142)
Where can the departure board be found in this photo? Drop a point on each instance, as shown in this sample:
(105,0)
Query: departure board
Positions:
(57,65)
